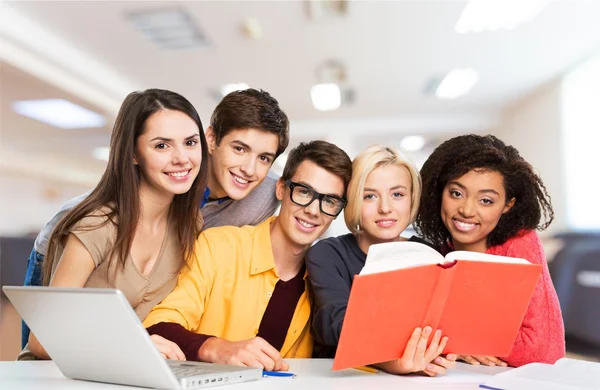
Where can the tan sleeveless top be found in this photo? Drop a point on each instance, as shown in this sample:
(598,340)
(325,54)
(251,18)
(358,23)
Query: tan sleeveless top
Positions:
(142,292)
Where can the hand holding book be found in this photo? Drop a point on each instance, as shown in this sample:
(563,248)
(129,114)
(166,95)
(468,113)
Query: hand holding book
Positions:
(422,350)
(485,360)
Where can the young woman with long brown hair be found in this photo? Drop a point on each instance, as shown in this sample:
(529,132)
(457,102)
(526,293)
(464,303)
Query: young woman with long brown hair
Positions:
(137,228)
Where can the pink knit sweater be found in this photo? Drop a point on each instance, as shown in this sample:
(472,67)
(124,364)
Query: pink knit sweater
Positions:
(542,334)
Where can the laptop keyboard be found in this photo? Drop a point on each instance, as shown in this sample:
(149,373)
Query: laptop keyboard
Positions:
(183,371)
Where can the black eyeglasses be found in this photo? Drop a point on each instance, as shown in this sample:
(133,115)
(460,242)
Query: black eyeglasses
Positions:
(303,195)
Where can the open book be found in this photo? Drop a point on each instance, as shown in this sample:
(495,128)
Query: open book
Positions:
(477,300)
(406,254)
(565,374)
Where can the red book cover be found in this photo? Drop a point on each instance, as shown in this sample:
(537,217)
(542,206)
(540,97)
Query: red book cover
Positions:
(479,305)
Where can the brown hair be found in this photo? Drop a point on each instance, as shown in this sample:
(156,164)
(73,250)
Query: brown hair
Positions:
(251,109)
(326,155)
(118,188)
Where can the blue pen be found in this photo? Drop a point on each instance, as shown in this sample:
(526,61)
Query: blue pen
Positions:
(279,374)
(488,387)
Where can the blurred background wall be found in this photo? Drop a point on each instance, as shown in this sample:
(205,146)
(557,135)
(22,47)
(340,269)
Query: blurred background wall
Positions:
(404,73)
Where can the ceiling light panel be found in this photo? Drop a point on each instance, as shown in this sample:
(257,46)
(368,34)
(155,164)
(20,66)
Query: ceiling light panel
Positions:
(492,15)
(457,83)
(232,87)
(59,113)
(326,97)
(412,143)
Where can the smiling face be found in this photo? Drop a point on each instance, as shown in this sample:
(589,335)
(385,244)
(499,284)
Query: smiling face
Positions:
(301,225)
(168,153)
(472,206)
(240,162)
(386,205)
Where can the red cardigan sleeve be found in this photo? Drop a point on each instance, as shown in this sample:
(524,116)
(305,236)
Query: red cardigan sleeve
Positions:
(542,334)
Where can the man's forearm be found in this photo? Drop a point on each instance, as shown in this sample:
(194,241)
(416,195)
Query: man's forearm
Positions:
(189,342)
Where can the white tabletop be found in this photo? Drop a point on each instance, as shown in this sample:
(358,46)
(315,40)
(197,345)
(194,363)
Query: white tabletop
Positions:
(311,374)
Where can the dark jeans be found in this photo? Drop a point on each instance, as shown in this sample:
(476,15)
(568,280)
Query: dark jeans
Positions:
(33,277)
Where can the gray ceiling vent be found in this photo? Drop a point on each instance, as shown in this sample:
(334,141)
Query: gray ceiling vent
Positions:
(170,29)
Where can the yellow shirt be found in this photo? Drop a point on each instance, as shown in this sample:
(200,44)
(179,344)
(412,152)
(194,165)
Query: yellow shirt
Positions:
(226,291)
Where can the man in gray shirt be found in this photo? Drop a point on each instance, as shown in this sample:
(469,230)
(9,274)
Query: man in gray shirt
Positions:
(247,132)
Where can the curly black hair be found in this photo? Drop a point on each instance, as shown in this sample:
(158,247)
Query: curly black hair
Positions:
(459,155)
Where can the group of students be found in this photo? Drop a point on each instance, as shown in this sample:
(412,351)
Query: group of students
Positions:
(253,290)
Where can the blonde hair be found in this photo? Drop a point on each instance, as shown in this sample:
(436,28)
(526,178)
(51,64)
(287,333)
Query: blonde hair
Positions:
(368,160)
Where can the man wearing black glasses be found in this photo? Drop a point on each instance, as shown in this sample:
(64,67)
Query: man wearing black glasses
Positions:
(303,195)
(245,300)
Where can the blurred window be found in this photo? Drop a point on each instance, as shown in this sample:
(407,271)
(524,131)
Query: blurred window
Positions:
(581,142)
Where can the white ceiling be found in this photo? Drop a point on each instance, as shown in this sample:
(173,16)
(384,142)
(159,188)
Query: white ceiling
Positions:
(390,49)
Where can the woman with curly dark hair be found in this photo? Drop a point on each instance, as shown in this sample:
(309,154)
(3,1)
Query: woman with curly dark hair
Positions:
(480,195)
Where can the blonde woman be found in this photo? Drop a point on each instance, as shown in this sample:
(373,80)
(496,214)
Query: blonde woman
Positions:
(383,199)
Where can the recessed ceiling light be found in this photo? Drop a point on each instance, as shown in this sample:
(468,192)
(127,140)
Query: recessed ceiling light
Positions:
(232,87)
(326,97)
(492,15)
(59,113)
(101,153)
(412,143)
(457,83)
(251,28)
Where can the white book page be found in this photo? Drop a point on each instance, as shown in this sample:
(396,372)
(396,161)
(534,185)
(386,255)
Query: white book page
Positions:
(576,372)
(476,256)
(512,383)
(568,373)
(397,255)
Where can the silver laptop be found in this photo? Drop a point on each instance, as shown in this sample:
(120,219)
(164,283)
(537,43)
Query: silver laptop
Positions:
(94,335)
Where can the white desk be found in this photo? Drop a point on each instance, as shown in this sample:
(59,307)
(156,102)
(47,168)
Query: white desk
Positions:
(311,374)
